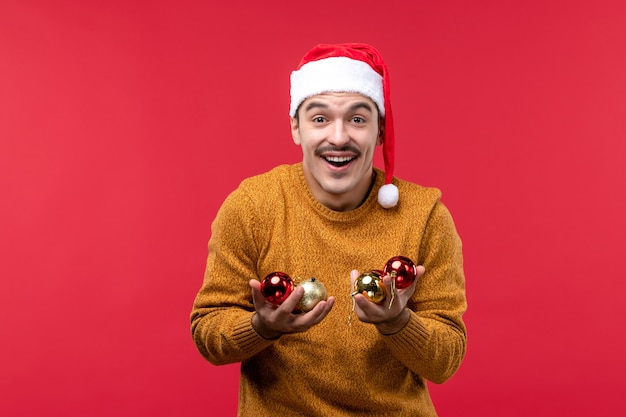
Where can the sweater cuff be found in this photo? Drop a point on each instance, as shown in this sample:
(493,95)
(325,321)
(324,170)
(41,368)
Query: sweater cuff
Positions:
(412,335)
(248,340)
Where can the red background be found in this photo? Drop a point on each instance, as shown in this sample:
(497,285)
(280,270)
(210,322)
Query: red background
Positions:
(124,124)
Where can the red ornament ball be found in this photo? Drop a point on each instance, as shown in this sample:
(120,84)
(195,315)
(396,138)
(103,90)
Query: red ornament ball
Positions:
(402,269)
(276,287)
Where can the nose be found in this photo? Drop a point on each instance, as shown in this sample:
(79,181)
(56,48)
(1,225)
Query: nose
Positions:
(339,135)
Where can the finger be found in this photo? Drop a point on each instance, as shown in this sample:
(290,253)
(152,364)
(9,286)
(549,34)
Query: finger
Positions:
(257,296)
(420,271)
(387,281)
(304,321)
(354,274)
(255,285)
(366,311)
(321,310)
(408,291)
(390,289)
(364,304)
(292,301)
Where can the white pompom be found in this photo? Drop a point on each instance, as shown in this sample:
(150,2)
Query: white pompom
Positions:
(388,195)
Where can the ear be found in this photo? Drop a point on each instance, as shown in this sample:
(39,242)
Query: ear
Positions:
(295,132)
(381,132)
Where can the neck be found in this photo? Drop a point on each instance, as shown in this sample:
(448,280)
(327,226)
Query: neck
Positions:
(345,201)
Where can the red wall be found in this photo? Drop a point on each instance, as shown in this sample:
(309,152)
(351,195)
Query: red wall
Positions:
(124,124)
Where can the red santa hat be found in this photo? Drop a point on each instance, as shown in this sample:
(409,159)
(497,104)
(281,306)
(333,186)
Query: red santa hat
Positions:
(355,68)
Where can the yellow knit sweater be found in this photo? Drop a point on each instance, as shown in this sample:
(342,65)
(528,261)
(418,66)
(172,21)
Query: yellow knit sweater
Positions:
(273,223)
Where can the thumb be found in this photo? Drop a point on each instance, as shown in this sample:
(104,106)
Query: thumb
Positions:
(354,274)
(420,271)
(257,295)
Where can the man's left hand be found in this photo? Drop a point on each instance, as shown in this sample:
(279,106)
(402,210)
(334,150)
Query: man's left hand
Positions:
(387,319)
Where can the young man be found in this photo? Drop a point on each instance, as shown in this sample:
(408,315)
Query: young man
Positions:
(333,216)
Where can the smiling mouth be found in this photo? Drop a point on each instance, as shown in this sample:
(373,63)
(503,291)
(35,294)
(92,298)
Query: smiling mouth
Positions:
(339,161)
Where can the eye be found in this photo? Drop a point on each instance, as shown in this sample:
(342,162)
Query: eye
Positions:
(319,119)
(358,119)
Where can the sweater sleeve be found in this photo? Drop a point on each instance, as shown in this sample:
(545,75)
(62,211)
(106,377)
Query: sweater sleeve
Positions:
(433,343)
(221,316)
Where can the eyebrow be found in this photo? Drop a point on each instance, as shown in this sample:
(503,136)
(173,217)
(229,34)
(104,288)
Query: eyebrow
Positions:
(361,104)
(315,105)
(354,107)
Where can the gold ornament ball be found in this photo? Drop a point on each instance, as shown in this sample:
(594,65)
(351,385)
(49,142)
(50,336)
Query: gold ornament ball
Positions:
(314,292)
(371,285)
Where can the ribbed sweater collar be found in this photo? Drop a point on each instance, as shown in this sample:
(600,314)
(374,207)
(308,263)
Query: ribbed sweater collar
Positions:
(370,204)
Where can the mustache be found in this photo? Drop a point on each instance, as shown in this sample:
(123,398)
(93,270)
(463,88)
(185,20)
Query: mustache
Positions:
(330,148)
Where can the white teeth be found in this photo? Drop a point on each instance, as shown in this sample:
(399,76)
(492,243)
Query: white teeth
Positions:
(338,159)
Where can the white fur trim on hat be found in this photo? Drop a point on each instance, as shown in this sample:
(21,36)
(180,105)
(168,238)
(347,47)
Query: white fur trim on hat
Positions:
(388,195)
(336,74)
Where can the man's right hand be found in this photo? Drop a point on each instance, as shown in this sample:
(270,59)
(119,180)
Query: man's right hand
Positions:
(271,321)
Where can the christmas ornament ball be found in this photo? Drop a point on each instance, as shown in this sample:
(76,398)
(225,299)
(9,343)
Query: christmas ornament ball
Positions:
(276,287)
(371,285)
(314,292)
(402,269)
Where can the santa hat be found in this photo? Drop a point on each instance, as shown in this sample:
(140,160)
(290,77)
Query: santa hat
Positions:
(354,68)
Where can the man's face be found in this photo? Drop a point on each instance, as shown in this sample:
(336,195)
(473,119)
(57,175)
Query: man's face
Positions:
(338,133)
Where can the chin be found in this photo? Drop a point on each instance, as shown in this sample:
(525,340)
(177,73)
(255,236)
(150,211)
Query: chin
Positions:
(337,189)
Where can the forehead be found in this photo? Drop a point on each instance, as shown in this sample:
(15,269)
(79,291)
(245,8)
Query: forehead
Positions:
(339,101)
